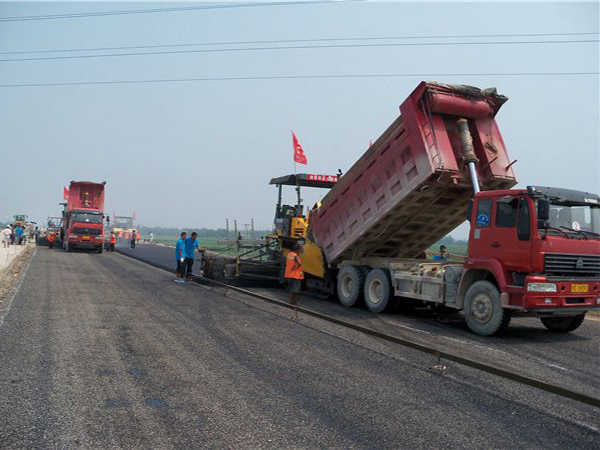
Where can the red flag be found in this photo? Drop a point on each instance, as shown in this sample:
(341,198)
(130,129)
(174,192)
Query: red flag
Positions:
(65,193)
(299,155)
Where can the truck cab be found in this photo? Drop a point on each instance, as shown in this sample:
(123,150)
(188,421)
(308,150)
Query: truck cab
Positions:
(540,248)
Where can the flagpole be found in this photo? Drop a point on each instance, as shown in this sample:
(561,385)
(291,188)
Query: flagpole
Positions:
(298,206)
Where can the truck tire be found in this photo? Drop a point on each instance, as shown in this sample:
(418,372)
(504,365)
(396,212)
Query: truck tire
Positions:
(350,285)
(99,249)
(483,311)
(563,324)
(378,290)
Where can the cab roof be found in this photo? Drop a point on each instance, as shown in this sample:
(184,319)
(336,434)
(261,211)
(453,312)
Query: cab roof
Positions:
(306,180)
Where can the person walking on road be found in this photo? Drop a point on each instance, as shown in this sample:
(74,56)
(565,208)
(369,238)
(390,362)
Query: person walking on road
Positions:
(133,238)
(294,276)
(180,258)
(6,236)
(191,244)
(112,242)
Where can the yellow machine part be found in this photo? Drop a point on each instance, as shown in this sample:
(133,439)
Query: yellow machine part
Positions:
(299,227)
(312,259)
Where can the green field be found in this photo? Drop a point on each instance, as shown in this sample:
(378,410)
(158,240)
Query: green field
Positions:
(210,243)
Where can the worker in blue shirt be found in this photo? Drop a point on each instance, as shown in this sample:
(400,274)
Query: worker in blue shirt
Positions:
(191,244)
(180,257)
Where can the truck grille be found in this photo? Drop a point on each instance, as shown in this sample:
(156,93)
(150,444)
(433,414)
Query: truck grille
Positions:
(572,265)
(88,231)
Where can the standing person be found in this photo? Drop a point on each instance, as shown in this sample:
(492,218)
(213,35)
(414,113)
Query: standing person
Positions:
(180,258)
(6,236)
(19,234)
(51,238)
(294,276)
(133,237)
(112,242)
(191,244)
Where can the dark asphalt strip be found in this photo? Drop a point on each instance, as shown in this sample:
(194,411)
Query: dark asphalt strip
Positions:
(528,381)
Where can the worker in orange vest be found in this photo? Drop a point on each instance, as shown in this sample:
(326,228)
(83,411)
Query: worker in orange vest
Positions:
(51,238)
(294,276)
(113,241)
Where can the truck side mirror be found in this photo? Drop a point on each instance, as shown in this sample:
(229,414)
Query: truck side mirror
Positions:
(107,219)
(543,209)
(543,213)
(470,210)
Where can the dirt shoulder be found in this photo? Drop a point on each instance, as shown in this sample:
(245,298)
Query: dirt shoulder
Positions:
(10,275)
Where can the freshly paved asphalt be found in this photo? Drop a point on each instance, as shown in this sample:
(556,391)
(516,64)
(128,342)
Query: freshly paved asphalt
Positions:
(570,360)
(102,351)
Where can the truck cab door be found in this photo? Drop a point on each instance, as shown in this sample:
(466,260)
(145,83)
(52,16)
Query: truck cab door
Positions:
(510,240)
(481,230)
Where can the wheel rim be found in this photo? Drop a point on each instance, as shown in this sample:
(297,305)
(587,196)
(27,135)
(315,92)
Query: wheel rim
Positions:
(482,308)
(346,286)
(375,292)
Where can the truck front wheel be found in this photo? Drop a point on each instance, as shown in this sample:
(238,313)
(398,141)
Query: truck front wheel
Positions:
(350,284)
(563,324)
(483,311)
(378,290)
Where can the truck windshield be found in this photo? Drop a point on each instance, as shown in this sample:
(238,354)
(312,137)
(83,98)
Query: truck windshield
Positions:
(87,217)
(575,218)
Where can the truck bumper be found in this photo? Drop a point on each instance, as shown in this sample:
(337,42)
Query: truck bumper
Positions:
(564,301)
(86,244)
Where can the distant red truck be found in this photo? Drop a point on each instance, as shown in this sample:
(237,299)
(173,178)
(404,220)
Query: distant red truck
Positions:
(83,217)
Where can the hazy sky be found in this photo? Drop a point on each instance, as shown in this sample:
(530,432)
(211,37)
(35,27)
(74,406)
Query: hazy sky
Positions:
(194,153)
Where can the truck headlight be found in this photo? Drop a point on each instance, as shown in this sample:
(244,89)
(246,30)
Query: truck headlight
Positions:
(541,287)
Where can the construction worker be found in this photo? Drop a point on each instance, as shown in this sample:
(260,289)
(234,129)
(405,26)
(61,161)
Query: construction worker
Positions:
(180,258)
(112,242)
(190,247)
(294,276)
(133,238)
(51,238)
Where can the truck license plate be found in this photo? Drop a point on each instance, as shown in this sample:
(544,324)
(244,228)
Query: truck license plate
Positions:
(87,238)
(579,288)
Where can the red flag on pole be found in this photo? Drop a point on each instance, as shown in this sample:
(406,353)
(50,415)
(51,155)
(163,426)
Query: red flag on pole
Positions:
(299,155)
(65,193)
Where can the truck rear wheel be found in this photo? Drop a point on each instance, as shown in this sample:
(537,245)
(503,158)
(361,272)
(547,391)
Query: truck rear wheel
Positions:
(378,290)
(563,324)
(350,285)
(483,311)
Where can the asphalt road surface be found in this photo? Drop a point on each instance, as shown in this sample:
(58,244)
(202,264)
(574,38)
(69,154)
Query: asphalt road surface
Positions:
(569,360)
(104,351)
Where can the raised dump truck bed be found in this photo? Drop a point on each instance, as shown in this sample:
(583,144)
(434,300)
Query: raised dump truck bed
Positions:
(412,187)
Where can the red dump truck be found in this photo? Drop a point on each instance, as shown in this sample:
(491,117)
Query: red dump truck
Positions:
(83,217)
(533,251)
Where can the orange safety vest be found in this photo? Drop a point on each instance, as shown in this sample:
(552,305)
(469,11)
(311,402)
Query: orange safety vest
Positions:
(290,262)
(113,239)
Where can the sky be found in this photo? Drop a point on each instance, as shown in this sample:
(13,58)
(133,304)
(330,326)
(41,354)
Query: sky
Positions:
(191,154)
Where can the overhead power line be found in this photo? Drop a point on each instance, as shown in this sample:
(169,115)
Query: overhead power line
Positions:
(293,47)
(297,77)
(291,41)
(173,9)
